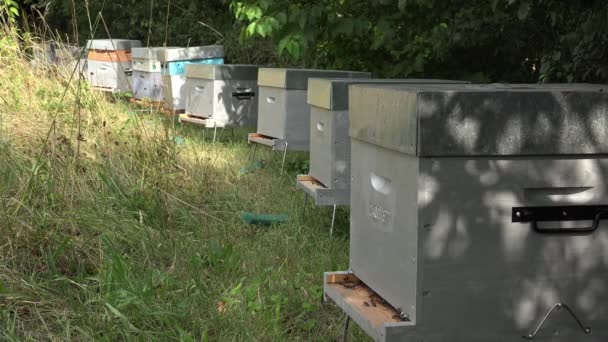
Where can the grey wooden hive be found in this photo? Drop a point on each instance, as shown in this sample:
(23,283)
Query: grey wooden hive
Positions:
(283,112)
(174,61)
(147,81)
(328,181)
(223,94)
(114,76)
(146,59)
(147,85)
(478,213)
(111,76)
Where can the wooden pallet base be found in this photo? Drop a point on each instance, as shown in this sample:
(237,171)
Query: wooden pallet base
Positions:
(185,118)
(274,143)
(380,320)
(322,195)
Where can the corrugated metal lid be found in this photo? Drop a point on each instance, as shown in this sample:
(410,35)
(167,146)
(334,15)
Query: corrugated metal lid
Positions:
(332,94)
(112,44)
(223,71)
(298,78)
(172,54)
(482,120)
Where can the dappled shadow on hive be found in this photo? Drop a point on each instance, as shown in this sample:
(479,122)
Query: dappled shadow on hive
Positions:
(475,258)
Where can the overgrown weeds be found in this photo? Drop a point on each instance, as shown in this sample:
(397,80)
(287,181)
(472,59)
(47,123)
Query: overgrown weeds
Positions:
(113,228)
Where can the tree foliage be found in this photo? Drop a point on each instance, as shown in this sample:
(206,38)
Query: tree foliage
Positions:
(9,11)
(154,22)
(478,40)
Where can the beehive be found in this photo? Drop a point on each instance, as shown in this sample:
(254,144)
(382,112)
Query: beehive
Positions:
(478,213)
(147,74)
(222,95)
(283,113)
(328,181)
(174,61)
(109,63)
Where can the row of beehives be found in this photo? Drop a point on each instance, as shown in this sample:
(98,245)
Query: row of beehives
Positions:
(156,74)
(477,211)
(120,65)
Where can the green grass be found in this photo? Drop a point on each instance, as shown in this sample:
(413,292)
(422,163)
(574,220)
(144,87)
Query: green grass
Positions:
(131,228)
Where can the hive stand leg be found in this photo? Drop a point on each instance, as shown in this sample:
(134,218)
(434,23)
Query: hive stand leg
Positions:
(255,148)
(284,155)
(214,133)
(333,222)
(345,332)
(305,203)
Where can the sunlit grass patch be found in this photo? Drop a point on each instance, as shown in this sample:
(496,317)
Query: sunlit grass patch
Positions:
(120,223)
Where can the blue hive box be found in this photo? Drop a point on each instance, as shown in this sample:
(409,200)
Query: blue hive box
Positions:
(179,67)
(174,61)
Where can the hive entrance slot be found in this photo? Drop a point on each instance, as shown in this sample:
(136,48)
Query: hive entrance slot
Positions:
(363,299)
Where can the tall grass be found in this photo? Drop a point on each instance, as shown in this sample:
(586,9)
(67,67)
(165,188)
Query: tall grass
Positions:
(119,224)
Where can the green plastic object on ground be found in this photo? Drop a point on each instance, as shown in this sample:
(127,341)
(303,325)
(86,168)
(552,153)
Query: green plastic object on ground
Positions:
(179,140)
(263,219)
(252,167)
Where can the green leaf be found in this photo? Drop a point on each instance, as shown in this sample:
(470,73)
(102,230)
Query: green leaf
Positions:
(253,13)
(282,46)
(258,13)
(262,30)
(273,23)
(292,45)
(251,29)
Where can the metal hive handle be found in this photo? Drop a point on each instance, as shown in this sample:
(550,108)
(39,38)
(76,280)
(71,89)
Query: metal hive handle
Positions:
(243,94)
(534,215)
(585,230)
(558,306)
